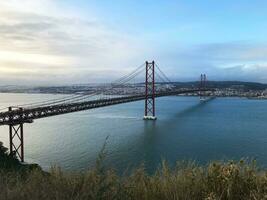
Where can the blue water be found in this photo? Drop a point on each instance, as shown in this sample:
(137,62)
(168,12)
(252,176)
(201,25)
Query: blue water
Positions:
(223,128)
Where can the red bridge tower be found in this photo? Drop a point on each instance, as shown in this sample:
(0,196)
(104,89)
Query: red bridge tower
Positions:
(150,91)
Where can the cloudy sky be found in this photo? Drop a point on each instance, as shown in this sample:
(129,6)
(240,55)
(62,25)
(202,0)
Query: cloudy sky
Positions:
(81,41)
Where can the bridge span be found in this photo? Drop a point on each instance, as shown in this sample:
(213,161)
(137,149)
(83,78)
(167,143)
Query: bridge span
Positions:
(27,115)
(16,117)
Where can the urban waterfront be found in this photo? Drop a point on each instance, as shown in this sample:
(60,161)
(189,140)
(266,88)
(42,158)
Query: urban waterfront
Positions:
(186,129)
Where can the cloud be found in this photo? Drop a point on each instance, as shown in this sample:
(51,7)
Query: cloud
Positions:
(232,51)
(52,43)
(239,60)
(41,41)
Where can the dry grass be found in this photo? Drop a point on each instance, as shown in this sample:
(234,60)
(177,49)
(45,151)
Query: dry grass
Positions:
(239,180)
(218,180)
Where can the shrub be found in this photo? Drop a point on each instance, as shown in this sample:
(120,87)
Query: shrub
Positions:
(218,180)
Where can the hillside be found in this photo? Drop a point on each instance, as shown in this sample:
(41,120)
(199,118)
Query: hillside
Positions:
(225,84)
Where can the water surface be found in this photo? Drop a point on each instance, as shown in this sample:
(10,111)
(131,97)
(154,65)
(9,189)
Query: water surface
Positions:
(223,128)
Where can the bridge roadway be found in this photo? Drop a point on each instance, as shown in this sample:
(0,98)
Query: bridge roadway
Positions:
(27,115)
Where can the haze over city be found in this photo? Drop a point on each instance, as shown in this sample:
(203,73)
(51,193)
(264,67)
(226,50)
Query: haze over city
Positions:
(70,42)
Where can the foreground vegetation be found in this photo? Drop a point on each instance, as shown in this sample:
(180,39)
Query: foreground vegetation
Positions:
(218,180)
(11,163)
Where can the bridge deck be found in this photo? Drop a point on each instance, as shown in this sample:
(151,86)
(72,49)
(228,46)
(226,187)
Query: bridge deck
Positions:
(27,115)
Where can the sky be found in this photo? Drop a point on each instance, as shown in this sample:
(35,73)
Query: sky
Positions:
(50,42)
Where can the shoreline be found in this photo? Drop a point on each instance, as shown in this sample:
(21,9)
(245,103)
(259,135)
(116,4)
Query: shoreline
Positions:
(215,96)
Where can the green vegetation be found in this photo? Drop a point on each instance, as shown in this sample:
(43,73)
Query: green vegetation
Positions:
(7,161)
(11,163)
(218,180)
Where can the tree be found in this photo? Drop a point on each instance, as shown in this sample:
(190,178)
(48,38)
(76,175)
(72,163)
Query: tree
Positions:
(7,161)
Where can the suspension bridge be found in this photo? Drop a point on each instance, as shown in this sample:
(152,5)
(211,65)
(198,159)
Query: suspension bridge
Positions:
(18,115)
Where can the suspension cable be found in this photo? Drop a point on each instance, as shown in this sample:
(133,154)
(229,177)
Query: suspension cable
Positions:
(74,97)
(163,74)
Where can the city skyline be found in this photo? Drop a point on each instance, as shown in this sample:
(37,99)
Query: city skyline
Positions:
(64,42)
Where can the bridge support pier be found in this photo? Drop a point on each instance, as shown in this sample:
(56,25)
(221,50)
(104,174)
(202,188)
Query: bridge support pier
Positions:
(150,92)
(16,139)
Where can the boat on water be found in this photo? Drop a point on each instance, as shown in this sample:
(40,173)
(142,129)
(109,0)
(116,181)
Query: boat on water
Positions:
(204,99)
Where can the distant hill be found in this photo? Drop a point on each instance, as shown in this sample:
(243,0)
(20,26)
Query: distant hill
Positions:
(226,84)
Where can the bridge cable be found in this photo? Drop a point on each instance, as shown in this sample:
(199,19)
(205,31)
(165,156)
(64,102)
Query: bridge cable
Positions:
(121,81)
(163,74)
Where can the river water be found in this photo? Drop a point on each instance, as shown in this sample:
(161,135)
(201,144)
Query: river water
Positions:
(186,129)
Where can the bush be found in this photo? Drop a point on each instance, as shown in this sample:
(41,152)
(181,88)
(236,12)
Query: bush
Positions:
(7,161)
(218,180)
(232,180)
